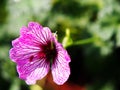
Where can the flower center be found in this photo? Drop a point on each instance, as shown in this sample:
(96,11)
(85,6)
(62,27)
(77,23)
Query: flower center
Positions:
(49,52)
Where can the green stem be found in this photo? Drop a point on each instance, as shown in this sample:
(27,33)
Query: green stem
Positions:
(85,41)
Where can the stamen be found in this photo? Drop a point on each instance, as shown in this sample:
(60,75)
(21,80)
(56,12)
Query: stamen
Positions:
(52,46)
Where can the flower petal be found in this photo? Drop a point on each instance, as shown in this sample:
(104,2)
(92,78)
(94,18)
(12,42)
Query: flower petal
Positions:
(37,33)
(60,67)
(24,30)
(62,53)
(60,72)
(31,34)
(47,34)
(34,26)
(22,51)
(44,36)
(30,39)
(31,72)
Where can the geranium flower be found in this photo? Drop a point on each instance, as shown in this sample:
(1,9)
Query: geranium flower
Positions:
(36,52)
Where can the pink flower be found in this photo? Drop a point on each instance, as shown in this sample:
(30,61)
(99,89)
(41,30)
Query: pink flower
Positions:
(36,52)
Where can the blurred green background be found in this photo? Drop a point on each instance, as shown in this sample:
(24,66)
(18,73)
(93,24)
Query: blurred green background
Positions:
(89,29)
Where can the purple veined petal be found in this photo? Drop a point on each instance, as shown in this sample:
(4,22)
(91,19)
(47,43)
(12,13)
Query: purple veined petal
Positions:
(64,56)
(60,67)
(44,36)
(31,34)
(12,55)
(17,55)
(29,40)
(24,30)
(36,30)
(60,72)
(47,34)
(22,51)
(34,26)
(33,71)
(37,33)
(23,43)
(62,53)
(24,67)
(15,42)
